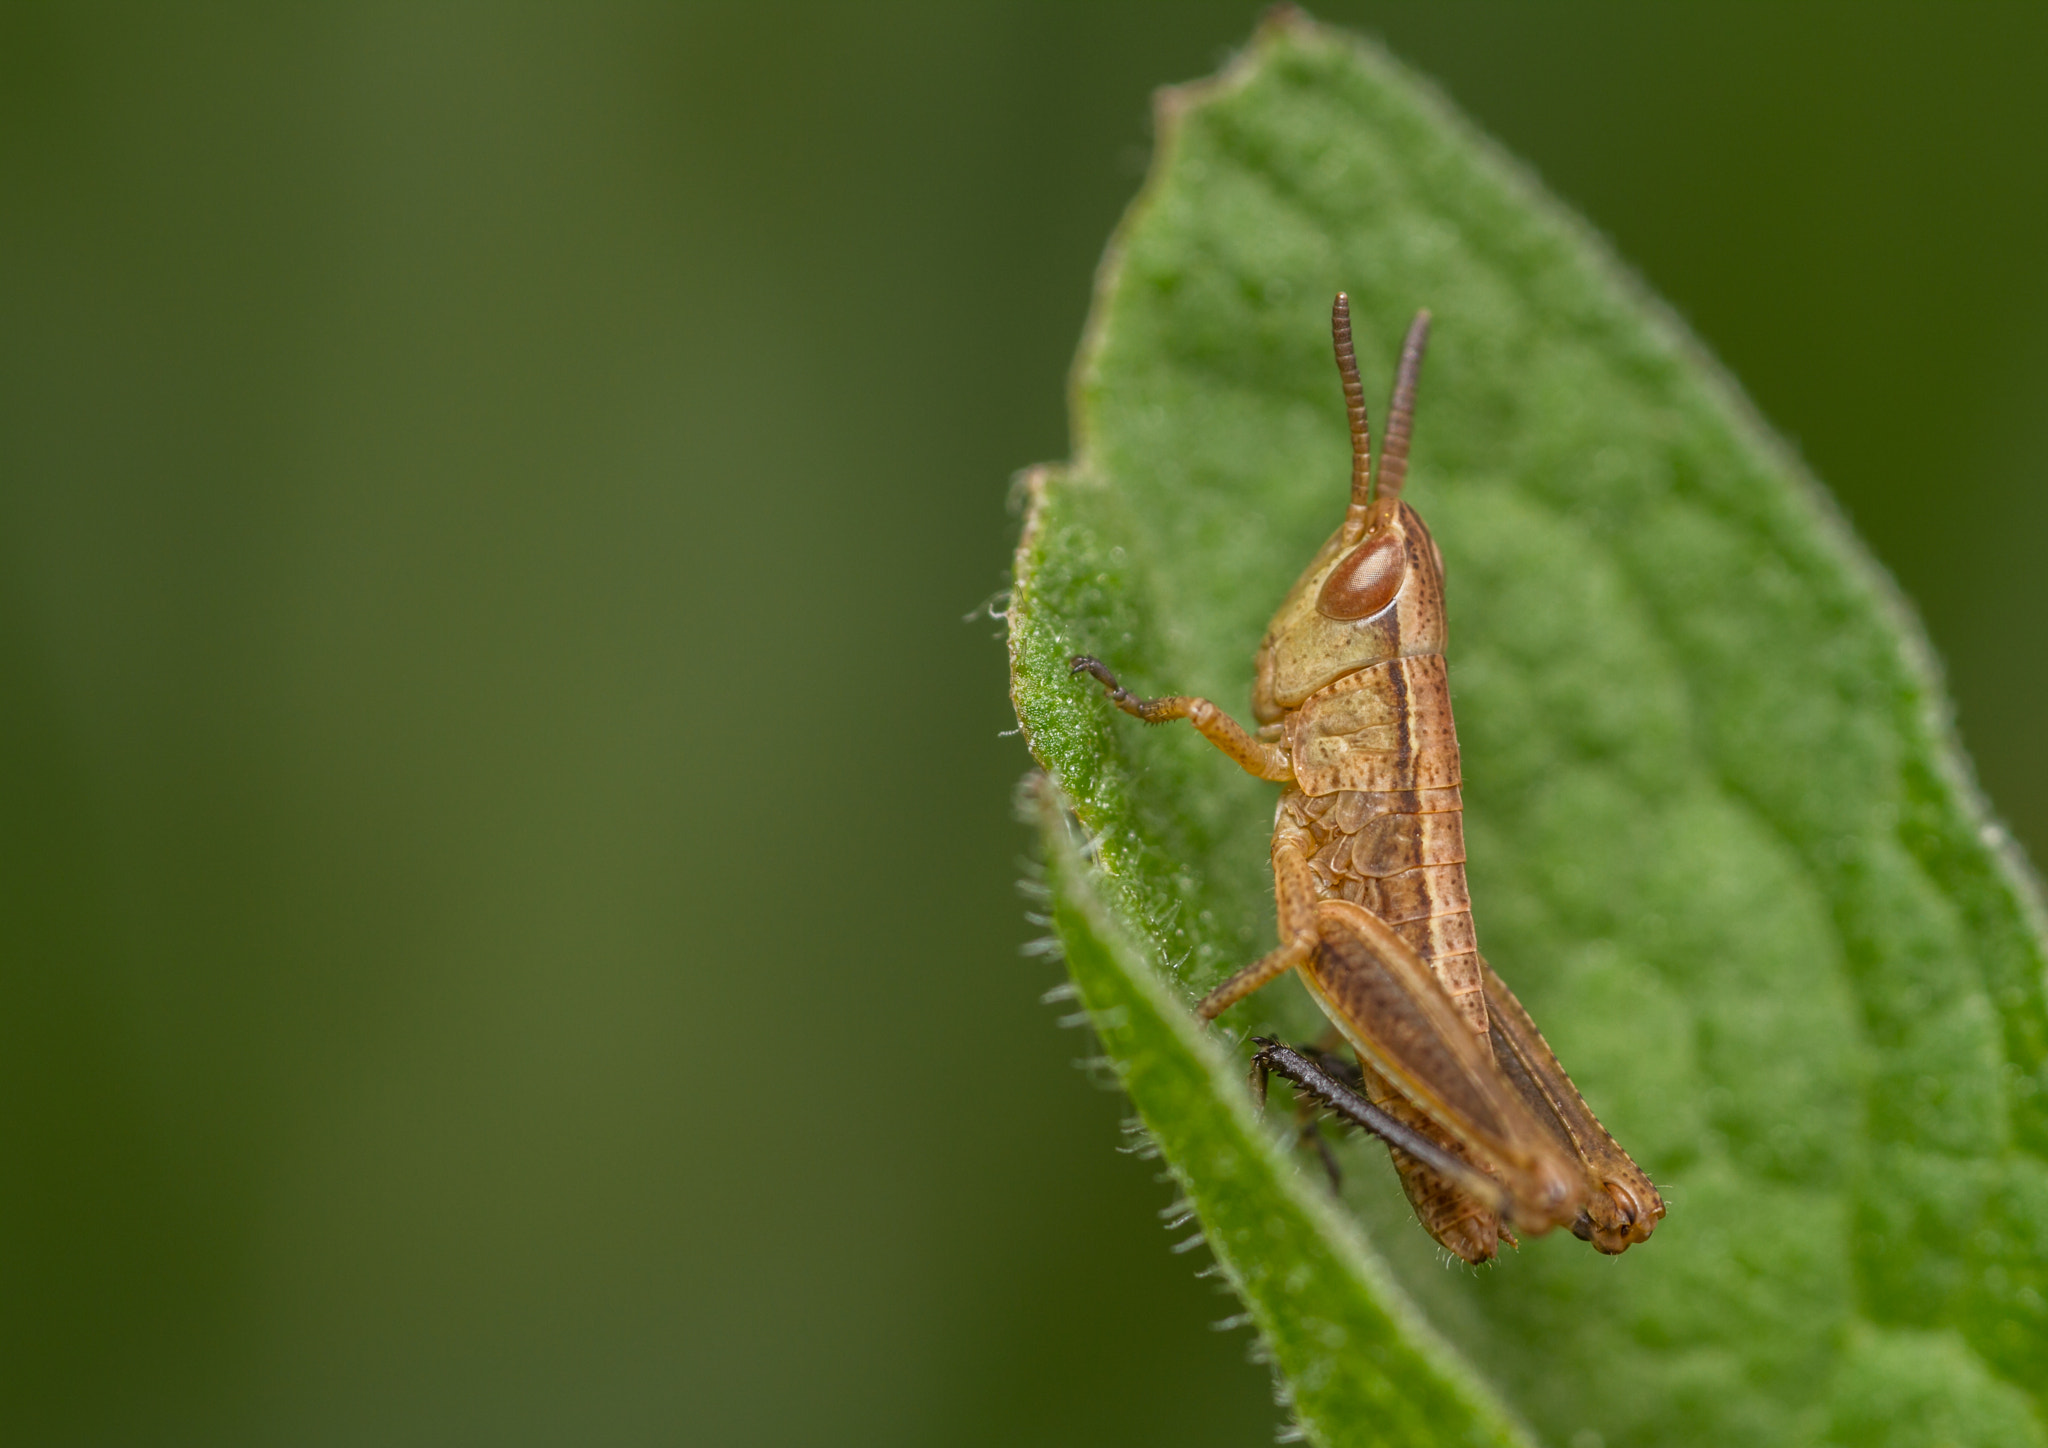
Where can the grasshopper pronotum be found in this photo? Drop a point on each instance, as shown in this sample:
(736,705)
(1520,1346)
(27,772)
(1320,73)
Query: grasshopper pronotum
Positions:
(1486,1130)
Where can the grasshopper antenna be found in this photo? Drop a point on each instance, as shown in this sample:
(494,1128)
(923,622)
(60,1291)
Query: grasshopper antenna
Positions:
(1401,412)
(1355,517)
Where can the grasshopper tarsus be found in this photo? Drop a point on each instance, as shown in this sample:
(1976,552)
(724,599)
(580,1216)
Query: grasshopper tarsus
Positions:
(1152,711)
(1099,671)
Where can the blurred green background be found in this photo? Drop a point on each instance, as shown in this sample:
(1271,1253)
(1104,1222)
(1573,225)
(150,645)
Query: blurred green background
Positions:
(507,928)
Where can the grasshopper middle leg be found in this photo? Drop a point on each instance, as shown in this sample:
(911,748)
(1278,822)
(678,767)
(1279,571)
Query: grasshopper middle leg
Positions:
(1294,899)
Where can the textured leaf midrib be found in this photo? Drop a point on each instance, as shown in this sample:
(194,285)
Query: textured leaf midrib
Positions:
(1902,879)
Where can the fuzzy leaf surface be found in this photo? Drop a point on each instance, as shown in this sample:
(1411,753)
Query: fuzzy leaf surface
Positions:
(1721,840)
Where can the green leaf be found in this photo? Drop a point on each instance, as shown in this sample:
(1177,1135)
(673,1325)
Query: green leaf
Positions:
(1722,842)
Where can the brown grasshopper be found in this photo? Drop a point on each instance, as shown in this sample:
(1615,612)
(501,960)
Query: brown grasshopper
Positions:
(1486,1130)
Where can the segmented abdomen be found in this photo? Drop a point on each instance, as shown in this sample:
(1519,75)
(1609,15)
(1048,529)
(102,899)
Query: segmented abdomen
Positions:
(1401,854)
(1377,776)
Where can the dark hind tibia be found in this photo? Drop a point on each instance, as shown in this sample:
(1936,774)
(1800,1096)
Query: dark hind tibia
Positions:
(1320,1084)
(1325,1053)
(1308,1126)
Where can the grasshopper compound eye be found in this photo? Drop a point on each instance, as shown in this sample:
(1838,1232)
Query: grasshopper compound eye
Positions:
(1366,581)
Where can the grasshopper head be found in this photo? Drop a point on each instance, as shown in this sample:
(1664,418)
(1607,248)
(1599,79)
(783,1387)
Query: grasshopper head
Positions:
(1359,603)
(1374,591)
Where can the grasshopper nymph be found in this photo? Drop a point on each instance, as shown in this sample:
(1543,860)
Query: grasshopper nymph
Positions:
(1486,1130)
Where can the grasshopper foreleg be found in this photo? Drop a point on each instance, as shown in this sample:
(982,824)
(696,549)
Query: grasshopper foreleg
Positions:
(1254,756)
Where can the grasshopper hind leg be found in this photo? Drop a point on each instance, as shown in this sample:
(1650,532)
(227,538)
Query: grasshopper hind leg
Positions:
(1334,1085)
(1308,1127)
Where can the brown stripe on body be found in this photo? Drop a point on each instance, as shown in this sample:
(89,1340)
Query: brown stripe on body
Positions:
(1377,771)
(1384,728)
(1420,893)
(1438,938)
(1393,844)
